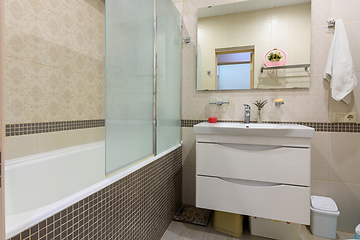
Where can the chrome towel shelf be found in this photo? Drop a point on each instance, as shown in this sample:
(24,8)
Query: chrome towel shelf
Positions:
(305,66)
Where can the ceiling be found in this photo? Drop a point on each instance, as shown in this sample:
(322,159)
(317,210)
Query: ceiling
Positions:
(245,6)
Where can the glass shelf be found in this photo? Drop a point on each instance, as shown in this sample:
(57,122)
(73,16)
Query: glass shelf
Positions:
(305,66)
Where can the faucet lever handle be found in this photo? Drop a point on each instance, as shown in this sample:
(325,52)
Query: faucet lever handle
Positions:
(246,106)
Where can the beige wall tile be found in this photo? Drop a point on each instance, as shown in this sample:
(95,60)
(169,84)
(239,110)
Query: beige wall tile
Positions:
(20,146)
(20,88)
(223,112)
(52,85)
(189,61)
(97,99)
(77,137)
(98,17)
(190,7)
(97,134)
(312,104)
(285,112)
(20,38)
(353,36)
(320,46)
(79,89)
(179,7)
(298,25)
(52,36)
(188,185)
(264,14)
(190,26)
(300,9)
(80,13)
(263,31)
(59,7)
(247,33)
(344,157)
(298,53)
(280,29)
(320,156)
(280,12)
(347,198)
(193,105)
(51,141)
(341,9)
(246,97)
(319,187)
(320,12)
(189,147)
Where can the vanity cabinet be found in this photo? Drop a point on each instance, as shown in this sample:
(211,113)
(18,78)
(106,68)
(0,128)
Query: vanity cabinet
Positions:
(248,172)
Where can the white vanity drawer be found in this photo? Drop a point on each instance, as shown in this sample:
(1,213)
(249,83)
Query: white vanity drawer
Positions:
(254,162)
(279,202)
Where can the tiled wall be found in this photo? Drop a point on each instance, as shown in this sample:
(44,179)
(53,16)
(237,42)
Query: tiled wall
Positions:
(265,29)
(139,206)
(54,62)
(335,155)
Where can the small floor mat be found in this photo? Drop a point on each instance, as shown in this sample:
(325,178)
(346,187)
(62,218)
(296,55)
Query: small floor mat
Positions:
(194,215)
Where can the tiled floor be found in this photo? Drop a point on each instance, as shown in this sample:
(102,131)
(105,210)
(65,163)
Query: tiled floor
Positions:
(182,231)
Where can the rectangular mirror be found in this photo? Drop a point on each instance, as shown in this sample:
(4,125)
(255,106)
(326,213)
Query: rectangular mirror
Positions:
(255,44)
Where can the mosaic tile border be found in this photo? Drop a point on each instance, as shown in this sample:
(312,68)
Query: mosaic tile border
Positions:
(19,129)
(138,206)
(318,126)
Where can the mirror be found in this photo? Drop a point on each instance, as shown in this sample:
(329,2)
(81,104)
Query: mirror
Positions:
(234,38)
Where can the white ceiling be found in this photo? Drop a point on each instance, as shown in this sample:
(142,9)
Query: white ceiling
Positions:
(245,6)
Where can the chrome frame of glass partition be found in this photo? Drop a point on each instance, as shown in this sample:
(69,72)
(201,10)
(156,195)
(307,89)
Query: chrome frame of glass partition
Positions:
(155,83)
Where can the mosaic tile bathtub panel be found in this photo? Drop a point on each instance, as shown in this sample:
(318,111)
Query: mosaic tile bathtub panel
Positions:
(139,206)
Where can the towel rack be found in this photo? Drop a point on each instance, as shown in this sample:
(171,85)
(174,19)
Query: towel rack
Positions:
(331,23)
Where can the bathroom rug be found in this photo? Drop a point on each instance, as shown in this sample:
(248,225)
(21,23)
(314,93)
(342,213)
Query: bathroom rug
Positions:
(194,215)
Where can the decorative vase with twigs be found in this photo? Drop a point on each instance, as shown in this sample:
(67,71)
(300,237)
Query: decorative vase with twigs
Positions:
(260,104)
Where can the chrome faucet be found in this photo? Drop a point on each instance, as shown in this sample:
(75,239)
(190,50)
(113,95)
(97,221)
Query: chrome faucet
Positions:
(247,113)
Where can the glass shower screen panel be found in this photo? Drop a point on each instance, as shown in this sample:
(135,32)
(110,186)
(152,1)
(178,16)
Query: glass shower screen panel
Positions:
(168,75)
(129,82)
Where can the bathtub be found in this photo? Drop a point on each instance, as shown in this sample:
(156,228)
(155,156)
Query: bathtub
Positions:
(38,186)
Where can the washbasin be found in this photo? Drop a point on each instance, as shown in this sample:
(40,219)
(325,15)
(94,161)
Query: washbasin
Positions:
(255,129)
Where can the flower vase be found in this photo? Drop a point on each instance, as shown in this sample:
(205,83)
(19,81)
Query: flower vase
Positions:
(259,116)
(275,60)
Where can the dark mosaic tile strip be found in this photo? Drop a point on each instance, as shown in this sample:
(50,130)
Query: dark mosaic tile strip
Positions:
(318,126)
(138,206)
(18,129)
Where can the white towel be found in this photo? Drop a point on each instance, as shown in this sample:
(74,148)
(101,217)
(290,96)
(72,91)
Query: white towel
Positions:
(339,69)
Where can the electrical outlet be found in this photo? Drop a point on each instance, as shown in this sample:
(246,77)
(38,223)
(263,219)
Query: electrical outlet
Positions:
(344,117)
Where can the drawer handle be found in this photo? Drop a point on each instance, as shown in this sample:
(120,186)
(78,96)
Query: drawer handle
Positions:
(249,183)
(249,147)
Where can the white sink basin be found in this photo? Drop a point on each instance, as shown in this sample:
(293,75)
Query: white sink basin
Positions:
(255,129)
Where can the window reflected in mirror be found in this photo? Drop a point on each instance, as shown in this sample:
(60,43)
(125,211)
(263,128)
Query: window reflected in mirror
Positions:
(234,69)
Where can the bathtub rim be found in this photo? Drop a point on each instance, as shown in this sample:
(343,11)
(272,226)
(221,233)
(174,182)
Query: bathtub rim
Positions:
(33,217)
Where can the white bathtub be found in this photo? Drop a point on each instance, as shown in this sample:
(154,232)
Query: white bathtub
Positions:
(38,186)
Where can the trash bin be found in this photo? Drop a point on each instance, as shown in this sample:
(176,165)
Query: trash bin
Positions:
(228,223)
(323,217)
(357,232)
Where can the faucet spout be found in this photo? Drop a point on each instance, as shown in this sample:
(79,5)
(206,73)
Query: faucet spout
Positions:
(247,113)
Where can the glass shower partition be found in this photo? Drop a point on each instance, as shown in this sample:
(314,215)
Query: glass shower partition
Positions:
(143,113)
(129,82)
(168,98)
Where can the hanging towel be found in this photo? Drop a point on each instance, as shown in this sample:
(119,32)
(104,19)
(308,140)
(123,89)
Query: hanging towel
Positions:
(339,69)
